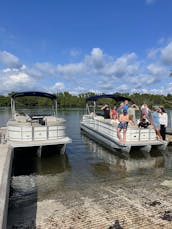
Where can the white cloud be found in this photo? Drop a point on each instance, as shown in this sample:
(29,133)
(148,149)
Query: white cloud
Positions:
(124,88)
(78,90)
(95,60)
(16,82)
(156,69)
(9,60)
(58,86)
(45,68)
(152,54)
(166,54)
(19,79)
(97,71)
(122,66)
(71,69)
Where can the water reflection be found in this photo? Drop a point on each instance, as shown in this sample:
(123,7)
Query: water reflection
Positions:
(5,115)
(33,179)
(26,162)
(168,161)
(135,162)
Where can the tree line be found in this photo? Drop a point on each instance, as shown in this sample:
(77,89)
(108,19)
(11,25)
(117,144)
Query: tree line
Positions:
(67,100)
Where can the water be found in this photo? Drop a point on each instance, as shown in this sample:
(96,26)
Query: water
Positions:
(43,188)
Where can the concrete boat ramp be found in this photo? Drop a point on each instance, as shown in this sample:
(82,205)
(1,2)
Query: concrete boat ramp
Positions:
(6,157)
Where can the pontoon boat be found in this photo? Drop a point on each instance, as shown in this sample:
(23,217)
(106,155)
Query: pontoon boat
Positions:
(105,130)
(36,129)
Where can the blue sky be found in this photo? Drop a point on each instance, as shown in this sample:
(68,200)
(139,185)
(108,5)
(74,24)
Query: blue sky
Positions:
(79,46)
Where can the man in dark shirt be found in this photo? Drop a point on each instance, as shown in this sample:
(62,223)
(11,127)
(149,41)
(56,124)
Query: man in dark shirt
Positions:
(106,110)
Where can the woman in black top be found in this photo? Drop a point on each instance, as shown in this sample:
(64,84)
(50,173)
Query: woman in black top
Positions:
(144,123)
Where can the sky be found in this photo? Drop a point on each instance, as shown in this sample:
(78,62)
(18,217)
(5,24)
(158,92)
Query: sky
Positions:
(101,46)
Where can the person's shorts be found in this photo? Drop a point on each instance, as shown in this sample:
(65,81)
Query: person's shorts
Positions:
(123,125)
(157,126)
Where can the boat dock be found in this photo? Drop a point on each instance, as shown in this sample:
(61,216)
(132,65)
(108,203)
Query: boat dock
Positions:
(6,156)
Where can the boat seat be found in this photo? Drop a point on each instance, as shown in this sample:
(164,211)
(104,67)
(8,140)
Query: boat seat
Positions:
(21,118)
(133,126)
(99,118)
(16,123)
(50,118)
(109,121)
(36,124)
(53,121)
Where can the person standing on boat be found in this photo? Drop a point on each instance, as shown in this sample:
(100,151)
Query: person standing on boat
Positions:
(123,124)
(132,111)
(120,109)
(145,110)
(114,113)
(126,106)
(156,122)
(106,110)
(163,119)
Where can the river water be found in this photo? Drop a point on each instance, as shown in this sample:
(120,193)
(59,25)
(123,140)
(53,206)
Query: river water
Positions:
(89,187)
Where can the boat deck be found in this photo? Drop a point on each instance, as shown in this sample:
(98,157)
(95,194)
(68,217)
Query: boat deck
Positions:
(105,131)
(40,143)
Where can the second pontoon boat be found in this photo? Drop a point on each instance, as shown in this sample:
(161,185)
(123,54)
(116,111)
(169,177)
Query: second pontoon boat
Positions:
(105,130)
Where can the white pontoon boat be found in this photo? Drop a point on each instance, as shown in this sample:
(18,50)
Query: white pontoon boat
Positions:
(105,130)
(26,130)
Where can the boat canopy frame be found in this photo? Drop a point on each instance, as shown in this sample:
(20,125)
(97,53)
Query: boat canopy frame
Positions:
(94,98)
(32,93)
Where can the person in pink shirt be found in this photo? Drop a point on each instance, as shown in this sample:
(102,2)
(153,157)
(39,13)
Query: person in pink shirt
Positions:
(114,113)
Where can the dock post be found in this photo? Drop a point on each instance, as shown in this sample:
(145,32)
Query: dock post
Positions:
(39,151)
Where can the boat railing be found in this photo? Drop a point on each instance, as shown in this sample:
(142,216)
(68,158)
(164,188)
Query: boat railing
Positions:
(109,128)
(36,130)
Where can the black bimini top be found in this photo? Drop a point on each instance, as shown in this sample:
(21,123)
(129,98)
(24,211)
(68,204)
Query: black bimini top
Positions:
(112,96)
(34,93)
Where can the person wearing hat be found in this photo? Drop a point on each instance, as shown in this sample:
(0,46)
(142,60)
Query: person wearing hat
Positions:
(123,124)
